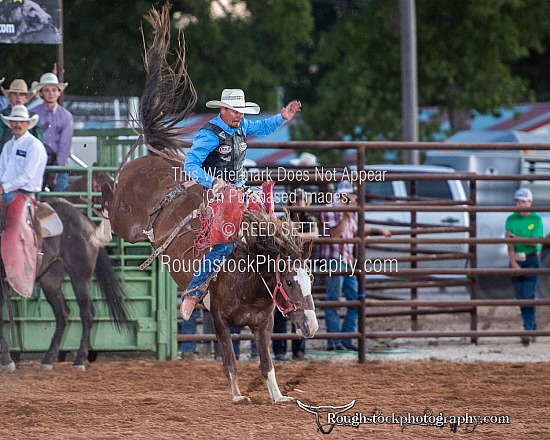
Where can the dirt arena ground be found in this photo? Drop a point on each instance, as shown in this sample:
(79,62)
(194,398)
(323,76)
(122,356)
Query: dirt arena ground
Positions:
(143,398)
(147,399)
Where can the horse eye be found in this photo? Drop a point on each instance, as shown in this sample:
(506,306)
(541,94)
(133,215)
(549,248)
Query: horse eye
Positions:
(289,283)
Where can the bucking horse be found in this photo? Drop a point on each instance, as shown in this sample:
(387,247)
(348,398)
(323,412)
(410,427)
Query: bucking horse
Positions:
(152,200)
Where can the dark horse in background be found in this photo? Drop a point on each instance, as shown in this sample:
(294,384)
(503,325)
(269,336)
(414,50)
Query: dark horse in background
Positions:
(149,202)
(71,254)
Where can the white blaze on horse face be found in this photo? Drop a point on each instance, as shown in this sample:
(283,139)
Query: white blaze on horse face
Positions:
(303,279)
(312,322)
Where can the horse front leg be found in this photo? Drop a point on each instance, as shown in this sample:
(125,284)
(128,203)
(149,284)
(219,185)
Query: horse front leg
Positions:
(8,366)
(229,360)
(81,289)
(263,337)
(51,286)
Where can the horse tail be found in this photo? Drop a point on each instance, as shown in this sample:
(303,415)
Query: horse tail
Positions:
(169,95)
(112,291)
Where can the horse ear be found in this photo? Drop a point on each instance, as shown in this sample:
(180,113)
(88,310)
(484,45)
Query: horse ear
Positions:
(308,247)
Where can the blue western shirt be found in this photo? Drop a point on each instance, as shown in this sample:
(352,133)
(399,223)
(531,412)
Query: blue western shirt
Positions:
(206,141)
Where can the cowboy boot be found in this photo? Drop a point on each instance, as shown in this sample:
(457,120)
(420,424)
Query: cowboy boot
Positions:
(192,297)
(188,305)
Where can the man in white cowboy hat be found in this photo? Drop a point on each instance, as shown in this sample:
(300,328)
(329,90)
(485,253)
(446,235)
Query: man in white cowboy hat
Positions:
(22,165)
(23,158)
(57,124)
(17,94)
(217,157)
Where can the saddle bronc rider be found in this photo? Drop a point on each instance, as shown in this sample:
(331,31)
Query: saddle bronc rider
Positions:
(22,164)
(217,157)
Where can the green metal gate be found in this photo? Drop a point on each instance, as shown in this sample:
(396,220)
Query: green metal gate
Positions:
(151,293)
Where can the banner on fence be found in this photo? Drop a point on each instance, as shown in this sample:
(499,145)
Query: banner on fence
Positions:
(30,21)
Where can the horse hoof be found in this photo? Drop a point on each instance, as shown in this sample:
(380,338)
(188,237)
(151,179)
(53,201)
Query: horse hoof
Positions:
(79,367)
(241,399)
(46,367)
(10,368)
(284,399)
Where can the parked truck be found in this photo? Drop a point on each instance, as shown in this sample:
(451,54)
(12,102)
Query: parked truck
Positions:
(488,224)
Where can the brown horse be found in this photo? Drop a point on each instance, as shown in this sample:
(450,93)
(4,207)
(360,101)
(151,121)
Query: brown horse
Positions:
(153,200)
(71,254)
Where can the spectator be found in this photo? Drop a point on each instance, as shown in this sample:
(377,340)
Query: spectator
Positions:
(4,102)
(17,94)
(305,160)
(525,224)
(305,226)
(22,164)
(57,125)
(23,160)
(340,257)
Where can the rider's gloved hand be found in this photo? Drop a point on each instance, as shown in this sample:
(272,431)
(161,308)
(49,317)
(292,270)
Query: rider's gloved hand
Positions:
(218,185)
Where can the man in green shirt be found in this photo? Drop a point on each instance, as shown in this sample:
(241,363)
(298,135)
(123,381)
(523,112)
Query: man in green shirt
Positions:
(525,224)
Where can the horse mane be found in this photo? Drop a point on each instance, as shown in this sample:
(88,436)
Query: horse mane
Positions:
(278,242)
(169,95)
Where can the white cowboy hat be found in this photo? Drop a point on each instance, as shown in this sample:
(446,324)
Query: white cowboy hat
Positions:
(234,99)
(20,113)
(344,187)
(18,86)
(48,79)
(305,160)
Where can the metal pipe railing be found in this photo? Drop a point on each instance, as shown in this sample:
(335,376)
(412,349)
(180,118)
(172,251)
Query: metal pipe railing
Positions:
(415,278)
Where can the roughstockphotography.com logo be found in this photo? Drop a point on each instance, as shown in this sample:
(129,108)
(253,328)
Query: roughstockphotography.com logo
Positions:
(325,414)
(327,417)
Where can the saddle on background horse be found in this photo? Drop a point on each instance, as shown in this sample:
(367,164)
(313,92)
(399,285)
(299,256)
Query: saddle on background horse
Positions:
(50,223)
(27,223)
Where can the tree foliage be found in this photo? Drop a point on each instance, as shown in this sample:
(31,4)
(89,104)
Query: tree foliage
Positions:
(466,51)
(256,53)
(102,49)
(340,57)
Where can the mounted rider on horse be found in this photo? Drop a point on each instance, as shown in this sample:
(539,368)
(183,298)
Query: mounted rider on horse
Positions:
(22,165)
(215,160)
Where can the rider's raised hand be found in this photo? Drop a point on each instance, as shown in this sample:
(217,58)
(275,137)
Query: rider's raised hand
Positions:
(291,109)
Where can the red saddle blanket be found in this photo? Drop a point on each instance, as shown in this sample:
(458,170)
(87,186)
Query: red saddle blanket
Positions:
(20,245)
(227,212)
